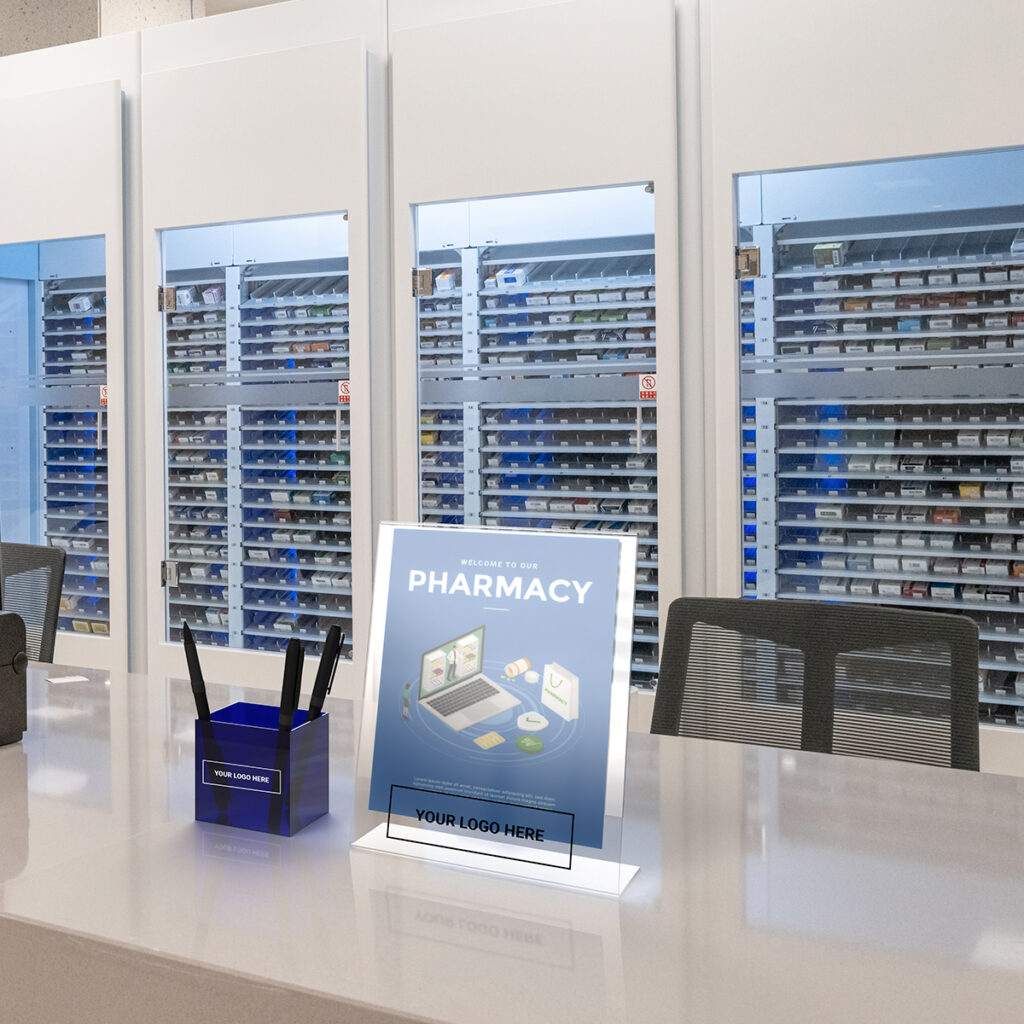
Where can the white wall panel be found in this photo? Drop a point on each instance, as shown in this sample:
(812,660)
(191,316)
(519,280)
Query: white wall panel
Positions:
(544,98)
(263,136)
(416,14)
(44,191)
(280,26)
(74,65)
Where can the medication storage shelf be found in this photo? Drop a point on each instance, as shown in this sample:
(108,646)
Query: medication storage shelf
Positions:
(196,326)
(530,412)
(259,527)
(75,470)
(197,496)
(297,521)
(871,473)
(294,319)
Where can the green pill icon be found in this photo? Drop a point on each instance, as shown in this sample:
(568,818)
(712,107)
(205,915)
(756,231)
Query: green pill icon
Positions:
(530,744)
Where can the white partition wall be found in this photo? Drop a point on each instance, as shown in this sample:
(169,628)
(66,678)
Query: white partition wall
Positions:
(256,233)
(535,194)
(62,245)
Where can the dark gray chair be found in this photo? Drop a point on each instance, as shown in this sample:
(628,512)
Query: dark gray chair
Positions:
(33,578)
(829,677)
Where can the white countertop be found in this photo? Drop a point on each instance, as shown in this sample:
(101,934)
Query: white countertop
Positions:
(774,886)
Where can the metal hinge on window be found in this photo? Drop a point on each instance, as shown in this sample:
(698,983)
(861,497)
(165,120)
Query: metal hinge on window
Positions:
(166,299)
(422,282)
(168,574)
(748,262)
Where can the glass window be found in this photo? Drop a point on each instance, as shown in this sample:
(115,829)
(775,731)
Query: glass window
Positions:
(53,453)
(536,328)
(881,337)
(256,333)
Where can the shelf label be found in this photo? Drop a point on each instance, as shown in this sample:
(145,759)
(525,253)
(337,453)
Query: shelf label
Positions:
(103,394)
(648,387)
(343,392)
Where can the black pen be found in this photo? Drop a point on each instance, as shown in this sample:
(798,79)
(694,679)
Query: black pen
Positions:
(298,679)
(325,673)
(195,674)
(290,684)
(211,748)
(289,702)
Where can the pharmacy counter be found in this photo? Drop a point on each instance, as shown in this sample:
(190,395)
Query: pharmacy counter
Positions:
(774,887)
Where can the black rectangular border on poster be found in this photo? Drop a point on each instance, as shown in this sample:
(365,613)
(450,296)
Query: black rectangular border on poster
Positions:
(481,853)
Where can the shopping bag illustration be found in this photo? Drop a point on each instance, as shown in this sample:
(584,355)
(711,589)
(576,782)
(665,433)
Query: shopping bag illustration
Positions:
(561,691)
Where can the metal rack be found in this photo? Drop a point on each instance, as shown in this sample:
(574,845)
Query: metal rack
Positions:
(75,470)
(530,414)
(258,489)
(870,472)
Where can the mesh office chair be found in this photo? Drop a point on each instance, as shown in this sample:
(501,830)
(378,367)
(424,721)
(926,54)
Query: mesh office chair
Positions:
(834,678)
(33,577)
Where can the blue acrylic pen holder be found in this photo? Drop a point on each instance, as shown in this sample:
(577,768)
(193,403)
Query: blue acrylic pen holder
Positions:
(250,774)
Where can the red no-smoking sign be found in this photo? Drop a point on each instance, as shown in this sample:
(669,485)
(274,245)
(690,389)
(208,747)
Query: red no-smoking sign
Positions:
(103,394)
(344,394)
(648,387)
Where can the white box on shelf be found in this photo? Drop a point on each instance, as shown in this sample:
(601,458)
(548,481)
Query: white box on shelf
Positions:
(840,586)
(511,277)
(445,281)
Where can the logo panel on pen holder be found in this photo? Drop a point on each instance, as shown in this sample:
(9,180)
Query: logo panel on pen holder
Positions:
(251,774)
(259,767)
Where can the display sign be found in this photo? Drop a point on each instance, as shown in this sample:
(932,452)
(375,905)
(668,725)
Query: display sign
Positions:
(344,392)
(498,690)
(648,387)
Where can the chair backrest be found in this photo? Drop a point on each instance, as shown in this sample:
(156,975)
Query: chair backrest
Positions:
(830,677)
(33,577)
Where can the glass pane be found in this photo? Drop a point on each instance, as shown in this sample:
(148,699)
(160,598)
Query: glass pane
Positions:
(53,455)
(536,324)
(881,346)
(258,447)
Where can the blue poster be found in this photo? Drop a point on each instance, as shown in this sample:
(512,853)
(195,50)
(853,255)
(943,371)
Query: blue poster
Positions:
(495,678)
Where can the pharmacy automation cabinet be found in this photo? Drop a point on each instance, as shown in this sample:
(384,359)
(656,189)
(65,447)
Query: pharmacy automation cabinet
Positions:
(256,253)
(863,372)
(65,114)
(536,220)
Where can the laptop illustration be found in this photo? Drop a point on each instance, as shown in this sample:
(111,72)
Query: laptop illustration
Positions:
(453,687)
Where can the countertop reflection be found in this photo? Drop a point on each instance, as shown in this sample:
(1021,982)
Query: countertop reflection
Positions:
(773,885)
